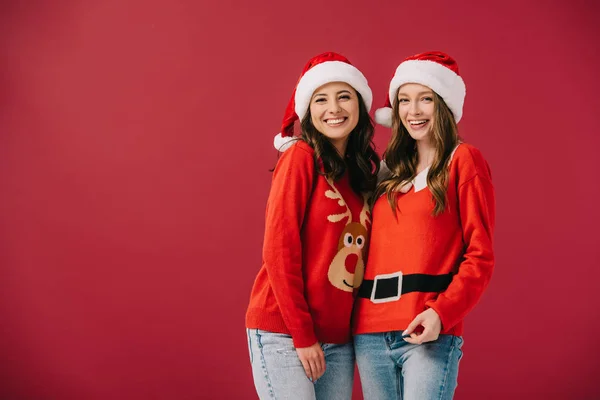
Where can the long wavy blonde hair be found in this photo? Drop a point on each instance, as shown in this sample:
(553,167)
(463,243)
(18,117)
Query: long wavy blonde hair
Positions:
(401,155)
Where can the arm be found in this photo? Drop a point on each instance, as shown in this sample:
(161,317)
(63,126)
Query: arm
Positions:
(477,208)
(291,190)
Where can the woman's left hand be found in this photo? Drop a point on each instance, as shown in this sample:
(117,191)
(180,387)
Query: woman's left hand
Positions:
(431,323)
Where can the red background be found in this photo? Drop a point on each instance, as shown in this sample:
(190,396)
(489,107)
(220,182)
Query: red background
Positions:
(135,143)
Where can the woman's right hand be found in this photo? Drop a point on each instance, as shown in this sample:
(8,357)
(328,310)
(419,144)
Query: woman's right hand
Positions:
(313,361)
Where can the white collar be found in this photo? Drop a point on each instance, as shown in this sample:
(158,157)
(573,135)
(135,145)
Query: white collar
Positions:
(420,181)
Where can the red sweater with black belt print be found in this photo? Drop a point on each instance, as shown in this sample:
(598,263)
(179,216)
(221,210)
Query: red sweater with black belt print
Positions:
(314,248)
(456,242)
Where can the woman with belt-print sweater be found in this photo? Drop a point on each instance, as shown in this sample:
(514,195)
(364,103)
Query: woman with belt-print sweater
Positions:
(431,254)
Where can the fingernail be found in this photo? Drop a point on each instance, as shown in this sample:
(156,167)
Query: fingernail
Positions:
(310,379)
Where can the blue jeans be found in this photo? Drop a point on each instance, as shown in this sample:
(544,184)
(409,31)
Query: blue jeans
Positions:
(391,368)
(278,372)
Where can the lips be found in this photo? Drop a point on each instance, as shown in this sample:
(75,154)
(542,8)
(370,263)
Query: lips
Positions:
(335,121)
(418,124)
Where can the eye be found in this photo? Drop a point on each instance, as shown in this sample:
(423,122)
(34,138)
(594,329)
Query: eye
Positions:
(360,241)
(320,100)
(427,99)
(402,100)
(344,97)
(348,239)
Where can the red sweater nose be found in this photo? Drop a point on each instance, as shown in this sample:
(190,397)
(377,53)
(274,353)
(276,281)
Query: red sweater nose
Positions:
(351,261)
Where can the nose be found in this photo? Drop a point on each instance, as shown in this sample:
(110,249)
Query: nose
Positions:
(350,263)
(415,109)
(335,107)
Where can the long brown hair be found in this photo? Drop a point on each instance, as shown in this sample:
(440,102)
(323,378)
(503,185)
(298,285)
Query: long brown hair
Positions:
(402,158)
(361,159)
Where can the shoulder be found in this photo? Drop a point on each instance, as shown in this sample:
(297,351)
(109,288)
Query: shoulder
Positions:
(300,149)
(296,161)
(469,162)
(467,153)
(299,152)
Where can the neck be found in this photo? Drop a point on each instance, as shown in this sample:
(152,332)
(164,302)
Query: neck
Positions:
(340,146)
(426,152)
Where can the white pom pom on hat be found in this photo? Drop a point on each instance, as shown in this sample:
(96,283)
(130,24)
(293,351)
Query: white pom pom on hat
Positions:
(383,116)
(282,143)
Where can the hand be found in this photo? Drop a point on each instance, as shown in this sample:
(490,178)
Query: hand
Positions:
(313,361)
(431,323)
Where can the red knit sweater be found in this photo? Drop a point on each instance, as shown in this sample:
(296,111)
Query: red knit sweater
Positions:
(458,241)
(314,245)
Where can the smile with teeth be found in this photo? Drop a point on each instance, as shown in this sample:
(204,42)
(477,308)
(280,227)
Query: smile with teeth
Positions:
(336,121)
(420,122)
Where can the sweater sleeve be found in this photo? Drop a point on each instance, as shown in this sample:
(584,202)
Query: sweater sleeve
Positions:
(291,190)
(476,202)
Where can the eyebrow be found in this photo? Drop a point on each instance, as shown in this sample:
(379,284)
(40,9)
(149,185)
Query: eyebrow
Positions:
(340,92)
(418,94)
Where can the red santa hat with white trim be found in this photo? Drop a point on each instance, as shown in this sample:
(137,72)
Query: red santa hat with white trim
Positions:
(320,70)
(433,69)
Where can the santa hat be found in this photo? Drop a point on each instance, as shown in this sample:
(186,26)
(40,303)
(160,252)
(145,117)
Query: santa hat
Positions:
(434,69)
(322,69)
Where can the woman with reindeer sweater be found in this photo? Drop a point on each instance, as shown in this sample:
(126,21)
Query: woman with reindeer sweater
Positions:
(316,233)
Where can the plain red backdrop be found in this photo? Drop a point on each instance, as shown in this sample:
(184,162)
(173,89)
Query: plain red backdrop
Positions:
(135,143)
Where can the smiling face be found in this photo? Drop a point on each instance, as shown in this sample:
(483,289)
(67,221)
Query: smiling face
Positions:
(334,111)
(416,109)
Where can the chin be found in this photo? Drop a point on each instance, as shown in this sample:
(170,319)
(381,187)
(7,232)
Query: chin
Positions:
(419,136)
(337,136)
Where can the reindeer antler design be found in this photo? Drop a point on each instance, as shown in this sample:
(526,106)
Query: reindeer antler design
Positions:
(347,268)
(364,213)
(336,195)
